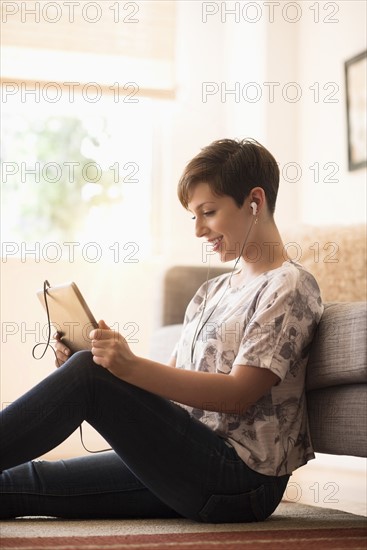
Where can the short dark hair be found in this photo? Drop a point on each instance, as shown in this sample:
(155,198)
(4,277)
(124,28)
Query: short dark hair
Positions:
(232,167)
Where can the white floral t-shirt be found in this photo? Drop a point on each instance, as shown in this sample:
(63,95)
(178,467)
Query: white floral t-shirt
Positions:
(268,323)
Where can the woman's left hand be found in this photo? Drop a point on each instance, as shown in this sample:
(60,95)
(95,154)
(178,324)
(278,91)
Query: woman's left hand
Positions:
(110,350)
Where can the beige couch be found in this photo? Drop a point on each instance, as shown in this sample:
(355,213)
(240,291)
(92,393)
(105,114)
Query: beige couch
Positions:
(336,373)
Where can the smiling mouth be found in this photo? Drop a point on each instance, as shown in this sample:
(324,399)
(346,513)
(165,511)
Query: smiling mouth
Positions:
(216,243)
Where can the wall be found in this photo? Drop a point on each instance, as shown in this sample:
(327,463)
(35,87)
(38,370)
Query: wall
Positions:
(323,48)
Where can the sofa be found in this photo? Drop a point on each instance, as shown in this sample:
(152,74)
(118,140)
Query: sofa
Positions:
(336,378)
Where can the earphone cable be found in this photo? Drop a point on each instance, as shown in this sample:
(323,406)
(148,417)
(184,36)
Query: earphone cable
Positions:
(47,345)
(198,331)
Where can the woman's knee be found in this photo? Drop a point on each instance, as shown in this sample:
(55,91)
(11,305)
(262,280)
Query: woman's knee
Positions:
(82,367)
(81,358)
(79,365)
(83,355)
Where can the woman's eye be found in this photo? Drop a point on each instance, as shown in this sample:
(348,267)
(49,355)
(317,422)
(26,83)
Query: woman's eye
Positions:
(209,213)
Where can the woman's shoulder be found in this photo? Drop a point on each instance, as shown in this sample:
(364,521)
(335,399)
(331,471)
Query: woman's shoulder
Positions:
(290,272)
(294,279)
(296,275)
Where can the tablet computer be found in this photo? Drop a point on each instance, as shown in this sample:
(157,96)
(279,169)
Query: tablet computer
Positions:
(70,315)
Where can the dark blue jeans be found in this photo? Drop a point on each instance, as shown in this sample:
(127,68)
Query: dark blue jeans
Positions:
(164,463)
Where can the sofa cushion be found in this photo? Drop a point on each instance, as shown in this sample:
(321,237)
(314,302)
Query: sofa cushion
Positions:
(339,349)
(338,419)
(163,343)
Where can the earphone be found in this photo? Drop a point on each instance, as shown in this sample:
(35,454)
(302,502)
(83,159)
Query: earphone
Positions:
(253,205)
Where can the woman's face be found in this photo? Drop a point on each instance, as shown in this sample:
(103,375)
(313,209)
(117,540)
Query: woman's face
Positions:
(220,221)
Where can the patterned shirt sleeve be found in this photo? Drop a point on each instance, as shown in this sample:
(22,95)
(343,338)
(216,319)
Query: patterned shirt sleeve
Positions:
(285,313)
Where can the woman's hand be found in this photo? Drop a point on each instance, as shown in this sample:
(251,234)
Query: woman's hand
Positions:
(110,350)
(62,352)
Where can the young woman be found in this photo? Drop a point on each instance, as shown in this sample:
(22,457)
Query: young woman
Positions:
(214,435)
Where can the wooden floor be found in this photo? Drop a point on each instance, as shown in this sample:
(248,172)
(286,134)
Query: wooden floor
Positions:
(339,483)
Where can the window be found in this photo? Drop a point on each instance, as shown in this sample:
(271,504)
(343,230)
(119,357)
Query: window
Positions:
(83,87)
(73,173)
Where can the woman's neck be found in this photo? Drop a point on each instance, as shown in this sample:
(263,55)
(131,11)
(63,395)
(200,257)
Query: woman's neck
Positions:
(264,252)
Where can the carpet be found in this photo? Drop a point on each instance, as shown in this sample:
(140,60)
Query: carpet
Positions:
(292,526)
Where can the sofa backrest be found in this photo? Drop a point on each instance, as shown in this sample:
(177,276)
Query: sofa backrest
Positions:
(179,286)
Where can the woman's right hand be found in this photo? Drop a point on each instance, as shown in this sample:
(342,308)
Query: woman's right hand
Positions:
(62,352)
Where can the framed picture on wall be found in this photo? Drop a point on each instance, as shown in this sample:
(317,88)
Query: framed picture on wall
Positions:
(356,98)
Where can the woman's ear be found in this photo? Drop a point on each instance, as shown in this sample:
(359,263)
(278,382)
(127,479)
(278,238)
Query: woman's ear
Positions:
(257,199)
